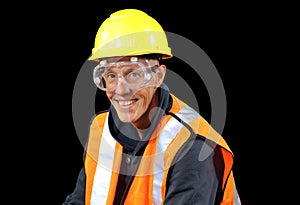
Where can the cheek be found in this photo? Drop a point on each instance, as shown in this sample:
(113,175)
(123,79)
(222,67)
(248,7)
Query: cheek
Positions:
(148,97)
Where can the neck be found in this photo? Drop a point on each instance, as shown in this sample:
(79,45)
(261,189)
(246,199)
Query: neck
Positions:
(141,132)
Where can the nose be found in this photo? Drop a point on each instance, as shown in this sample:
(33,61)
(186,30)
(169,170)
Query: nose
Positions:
(121,87)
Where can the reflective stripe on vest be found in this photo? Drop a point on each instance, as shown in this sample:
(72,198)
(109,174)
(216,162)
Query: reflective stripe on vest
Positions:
(104,169)
(166,136)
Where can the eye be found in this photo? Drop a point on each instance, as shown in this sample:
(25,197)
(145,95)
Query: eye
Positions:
(134,74)
(109,76)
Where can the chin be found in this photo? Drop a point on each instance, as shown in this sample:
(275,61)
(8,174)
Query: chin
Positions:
(126,118)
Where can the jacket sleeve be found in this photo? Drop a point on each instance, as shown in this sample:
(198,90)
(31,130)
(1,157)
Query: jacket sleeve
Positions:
(194,179)
(77,197)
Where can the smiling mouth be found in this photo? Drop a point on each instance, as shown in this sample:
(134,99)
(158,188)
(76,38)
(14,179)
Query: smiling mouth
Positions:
(125,102)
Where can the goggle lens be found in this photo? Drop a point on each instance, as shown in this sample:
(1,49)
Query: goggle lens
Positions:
(134,74)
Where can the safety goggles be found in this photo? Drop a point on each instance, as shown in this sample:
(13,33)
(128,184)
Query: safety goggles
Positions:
(134,74)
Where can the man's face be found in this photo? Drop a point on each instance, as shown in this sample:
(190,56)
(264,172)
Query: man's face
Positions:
(134,104)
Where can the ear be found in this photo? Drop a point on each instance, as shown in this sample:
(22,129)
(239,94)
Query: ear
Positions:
(160,73)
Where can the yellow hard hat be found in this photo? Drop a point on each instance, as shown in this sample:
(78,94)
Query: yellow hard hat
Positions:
(130,32)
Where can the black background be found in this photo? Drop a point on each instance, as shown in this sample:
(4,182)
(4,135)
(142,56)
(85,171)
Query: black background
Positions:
(237,38)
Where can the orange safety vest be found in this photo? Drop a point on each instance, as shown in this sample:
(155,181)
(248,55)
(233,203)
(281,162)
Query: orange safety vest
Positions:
(104,154)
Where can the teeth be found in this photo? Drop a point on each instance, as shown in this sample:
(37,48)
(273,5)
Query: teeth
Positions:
(127,102)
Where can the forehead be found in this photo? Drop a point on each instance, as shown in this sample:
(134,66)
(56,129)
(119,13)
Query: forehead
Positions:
(123,59)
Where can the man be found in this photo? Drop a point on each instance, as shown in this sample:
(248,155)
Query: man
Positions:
(149,147)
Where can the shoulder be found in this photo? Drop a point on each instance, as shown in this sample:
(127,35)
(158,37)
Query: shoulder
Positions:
(99,117)
(196,122)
